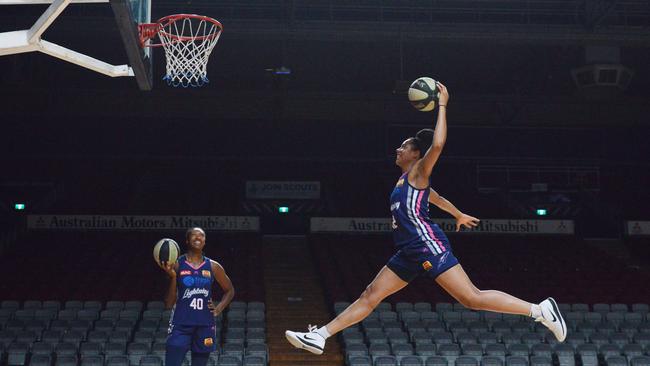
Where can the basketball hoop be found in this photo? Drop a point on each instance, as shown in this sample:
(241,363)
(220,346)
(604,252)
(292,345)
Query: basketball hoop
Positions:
(188,40)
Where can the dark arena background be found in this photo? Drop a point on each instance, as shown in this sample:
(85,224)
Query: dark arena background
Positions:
(286,159)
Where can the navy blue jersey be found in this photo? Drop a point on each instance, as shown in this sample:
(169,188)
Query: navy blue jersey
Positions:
(193,291)
(412,225)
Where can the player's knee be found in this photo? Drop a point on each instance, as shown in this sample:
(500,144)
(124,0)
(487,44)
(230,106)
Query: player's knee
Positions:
(370,297)
(471,300)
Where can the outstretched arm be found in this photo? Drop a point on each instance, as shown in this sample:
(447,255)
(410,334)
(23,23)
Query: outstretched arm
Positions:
(425,165)
(461,218)
(224,282)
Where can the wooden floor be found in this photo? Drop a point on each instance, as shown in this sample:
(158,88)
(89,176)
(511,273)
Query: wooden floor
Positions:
(294,299)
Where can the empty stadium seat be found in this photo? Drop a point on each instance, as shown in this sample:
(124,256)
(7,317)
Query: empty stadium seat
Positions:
(150,360)
(66,360)
(360,361)
(40,360)
(88,360)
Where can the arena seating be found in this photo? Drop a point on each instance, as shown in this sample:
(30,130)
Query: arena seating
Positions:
(448,334)
(117,266)
(530,267)
(93,332)
(88,318)
(410,334)
(407,329)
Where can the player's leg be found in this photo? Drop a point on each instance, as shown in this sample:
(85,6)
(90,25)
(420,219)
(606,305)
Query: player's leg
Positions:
(385,283)
(200,358)
(203,343)
(178,343)
(456,282)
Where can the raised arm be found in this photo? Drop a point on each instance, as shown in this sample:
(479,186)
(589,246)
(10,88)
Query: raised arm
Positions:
(461,218)
(224,282)
(425,165)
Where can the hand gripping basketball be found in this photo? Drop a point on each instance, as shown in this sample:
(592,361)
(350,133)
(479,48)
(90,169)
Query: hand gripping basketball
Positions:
(168,267)
(443,96)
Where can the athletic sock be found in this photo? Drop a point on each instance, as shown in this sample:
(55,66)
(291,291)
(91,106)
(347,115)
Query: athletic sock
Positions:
(174,355)
(200,358)
(323,332)
(535,311)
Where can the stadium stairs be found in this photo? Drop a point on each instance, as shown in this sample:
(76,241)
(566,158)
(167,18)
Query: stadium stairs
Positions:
(294,299)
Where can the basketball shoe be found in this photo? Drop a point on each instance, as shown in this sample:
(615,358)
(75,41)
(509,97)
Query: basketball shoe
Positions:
(552,319)
(311,341)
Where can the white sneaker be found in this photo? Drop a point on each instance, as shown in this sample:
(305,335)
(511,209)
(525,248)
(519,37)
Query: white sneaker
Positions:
(552,319)
(311,341)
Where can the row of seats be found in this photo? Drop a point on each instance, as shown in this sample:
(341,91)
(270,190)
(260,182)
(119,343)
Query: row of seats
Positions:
(488,361)
(453,332)
(77,304)
(21,354)
(390,333)
(121,337)
(109,305)
(494,349)
(442,307)
(147,360)
(88,337)
(110,315)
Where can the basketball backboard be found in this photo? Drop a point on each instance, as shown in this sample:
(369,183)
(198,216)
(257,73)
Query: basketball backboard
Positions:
(128,13)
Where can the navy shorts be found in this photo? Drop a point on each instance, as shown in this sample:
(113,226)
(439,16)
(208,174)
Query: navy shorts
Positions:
(201,339)
(408,263)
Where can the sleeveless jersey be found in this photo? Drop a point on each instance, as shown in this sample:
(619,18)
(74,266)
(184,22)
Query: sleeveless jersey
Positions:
(193,291)
(412,226)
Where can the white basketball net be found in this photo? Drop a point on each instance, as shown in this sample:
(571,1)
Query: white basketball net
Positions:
(188,42)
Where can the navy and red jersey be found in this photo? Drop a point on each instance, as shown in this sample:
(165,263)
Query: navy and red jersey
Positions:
(412,226)
(193,291)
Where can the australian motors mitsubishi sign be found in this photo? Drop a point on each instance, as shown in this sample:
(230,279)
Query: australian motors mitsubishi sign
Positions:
(486,226)
(141,223)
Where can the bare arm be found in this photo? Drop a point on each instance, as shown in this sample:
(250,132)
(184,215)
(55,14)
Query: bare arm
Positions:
(425,165)
(461,218)
(444,204)
(170,296)
(224,282)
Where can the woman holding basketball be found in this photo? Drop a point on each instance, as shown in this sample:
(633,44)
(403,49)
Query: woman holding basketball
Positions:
(423,248)
(189,295)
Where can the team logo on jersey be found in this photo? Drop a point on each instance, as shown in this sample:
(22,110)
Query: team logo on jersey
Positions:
(208,342)
(427,265)
(205,273)
(188,281)
(186,273)
(443,259)
(400,183)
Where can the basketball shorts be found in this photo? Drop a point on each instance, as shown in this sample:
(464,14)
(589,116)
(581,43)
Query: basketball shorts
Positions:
(202,339)
(410,262)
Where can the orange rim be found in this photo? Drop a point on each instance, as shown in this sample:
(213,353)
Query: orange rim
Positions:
(149,30)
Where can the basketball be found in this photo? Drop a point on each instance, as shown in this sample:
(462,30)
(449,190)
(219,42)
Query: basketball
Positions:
(165,250)
(423,94)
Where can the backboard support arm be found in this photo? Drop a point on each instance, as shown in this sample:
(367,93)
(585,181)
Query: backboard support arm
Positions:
(29,40)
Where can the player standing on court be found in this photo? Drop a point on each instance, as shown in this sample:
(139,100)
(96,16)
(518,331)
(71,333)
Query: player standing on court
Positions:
(192,325)
(423,248)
